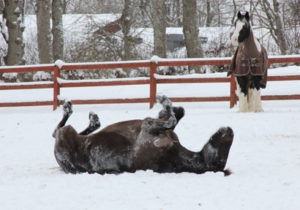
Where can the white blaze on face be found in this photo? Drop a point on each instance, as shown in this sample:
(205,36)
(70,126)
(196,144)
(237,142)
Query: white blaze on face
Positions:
(235,36)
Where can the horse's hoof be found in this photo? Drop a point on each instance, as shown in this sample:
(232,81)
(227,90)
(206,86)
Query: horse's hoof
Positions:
(259,110)
(94,120)
(226,133)
(242,110)
(67,108)
(160,98)
(164,101)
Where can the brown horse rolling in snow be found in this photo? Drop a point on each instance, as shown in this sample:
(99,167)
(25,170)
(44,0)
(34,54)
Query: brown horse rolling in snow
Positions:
(133,145)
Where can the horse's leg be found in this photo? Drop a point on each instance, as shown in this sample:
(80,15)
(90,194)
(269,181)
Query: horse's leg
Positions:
(157,126)
(215,151)
(164,114)
(67,111)
(179,113)
(256,97)
(93,125)
(155,130)
(251,102)
(166,117)
(243,93)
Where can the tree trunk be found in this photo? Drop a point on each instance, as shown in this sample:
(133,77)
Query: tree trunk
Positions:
(126,21)
(2,30)
(13,15)
(234,12)
(190,31)
(178,13)
(209,14)
(159,27)
(57,30)
(65,4)
(282,42)
(43,16)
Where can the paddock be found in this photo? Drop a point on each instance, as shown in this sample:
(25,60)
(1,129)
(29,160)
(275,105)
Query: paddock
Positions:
(264,157)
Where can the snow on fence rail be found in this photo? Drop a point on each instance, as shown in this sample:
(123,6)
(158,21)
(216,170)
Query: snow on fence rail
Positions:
(153,80)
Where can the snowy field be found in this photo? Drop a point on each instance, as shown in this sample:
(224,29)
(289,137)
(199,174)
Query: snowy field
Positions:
(264,157)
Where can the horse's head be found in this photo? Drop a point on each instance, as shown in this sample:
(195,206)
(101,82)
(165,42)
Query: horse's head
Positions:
(242,29)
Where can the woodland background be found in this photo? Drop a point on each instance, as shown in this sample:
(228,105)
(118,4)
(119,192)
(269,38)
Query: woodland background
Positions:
(40,32)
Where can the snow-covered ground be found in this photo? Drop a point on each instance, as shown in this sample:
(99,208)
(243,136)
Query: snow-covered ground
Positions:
(264,158)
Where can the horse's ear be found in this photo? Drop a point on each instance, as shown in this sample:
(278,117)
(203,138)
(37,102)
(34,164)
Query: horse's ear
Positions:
(239,15)
(247,16)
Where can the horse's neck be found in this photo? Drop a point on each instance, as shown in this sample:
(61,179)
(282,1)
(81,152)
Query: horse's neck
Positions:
(251,45)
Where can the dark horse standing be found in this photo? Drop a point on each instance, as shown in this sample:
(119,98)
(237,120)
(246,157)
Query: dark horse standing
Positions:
(133,145)
(249,64)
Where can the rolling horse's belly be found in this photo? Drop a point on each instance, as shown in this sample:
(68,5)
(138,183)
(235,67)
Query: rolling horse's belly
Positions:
(111,153)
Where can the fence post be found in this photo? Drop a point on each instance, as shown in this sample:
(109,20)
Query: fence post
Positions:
(233,97)
(153,67)
(56,89)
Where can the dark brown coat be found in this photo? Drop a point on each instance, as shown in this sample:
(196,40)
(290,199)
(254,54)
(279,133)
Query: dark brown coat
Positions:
(249,61)
(133,145)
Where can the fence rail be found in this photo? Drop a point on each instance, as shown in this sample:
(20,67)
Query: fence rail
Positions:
(152,64)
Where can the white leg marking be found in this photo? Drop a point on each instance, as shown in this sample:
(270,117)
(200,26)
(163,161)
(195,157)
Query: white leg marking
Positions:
(243,104)
(257,101)
(251,102)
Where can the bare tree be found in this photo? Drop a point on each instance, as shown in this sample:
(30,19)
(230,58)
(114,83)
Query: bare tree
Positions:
(2,31)
(1,6)
(159,27)
(173,13)
(178,13)
(13,15)
(65,4)
(190,30)
(126,22)
(43,16)
(209,13)
(292,23)
(234,12)
(272,20)
(93,6)
(57,30)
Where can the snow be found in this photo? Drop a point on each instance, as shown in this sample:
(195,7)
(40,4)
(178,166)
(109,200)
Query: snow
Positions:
(62,81)
(264,157)
(155,59)
(28,66)
(59,63)
(10,75)
(286,71)
(17,10)
(108,62)
(41,75)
